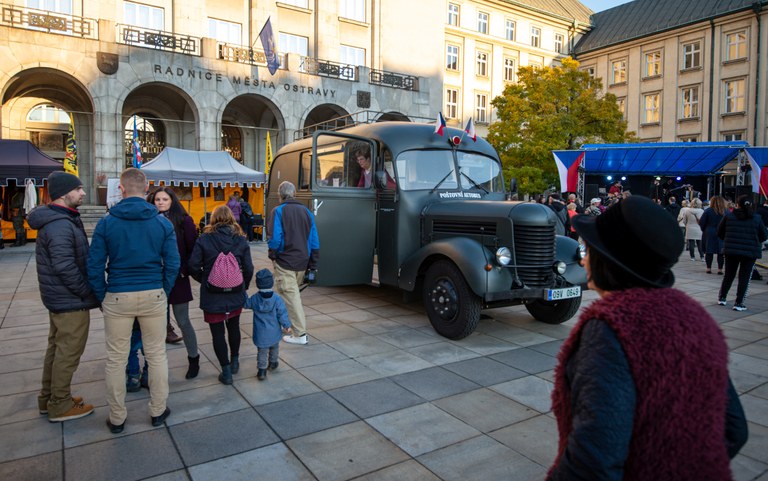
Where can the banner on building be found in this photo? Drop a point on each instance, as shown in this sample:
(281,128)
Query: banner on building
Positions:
(135,146)
(268,156)
(70,159)
(267,37)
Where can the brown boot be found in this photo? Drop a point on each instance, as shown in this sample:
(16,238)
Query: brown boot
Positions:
(171,336)
(77,411)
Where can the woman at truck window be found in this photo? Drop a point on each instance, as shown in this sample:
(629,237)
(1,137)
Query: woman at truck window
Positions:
(363,157)
(642,388)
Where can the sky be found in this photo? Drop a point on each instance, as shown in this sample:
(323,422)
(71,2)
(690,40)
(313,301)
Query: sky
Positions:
(600,5)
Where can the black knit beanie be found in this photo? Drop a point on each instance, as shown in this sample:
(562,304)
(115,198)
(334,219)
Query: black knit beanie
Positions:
(61,184)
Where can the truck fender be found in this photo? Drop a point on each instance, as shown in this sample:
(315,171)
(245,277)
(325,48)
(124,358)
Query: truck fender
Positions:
(468,255)
(567,250)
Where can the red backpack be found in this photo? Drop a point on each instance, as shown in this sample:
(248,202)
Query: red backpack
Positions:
(226,274)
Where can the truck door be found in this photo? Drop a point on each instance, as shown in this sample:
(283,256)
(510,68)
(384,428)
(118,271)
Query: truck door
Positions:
(344,204)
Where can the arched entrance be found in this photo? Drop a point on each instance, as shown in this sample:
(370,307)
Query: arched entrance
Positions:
(325,117)
(393,116)
(245,122)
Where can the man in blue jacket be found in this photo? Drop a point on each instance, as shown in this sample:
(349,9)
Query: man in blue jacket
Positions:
(139,247)
(294,248)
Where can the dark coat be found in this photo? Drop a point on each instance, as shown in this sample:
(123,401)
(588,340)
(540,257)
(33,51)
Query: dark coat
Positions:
(742,234)
(708,223)
(185,239)
(208,246)
(61,252)
(673,209)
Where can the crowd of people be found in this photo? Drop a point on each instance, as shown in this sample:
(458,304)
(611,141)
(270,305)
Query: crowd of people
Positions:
(137,269)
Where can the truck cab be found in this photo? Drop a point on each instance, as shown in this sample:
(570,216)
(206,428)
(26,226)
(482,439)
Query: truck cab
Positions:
(429,212)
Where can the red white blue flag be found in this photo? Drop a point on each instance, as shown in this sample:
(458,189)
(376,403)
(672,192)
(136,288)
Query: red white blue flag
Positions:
(439,124)
(136,146)
(568,163)
(759,176)
(470,130)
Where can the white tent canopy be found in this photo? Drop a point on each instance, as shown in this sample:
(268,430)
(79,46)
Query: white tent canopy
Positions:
(183,167)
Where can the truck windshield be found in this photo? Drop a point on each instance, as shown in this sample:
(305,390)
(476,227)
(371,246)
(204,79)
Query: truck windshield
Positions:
(433,169)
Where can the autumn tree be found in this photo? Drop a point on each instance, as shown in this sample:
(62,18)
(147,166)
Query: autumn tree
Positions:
(551,108)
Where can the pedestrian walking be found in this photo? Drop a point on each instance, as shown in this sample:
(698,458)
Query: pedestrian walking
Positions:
(61,253)
(221,263)
(139,248)
(743,234)
(269,316)
(641,387)
(294,248)
(713,245)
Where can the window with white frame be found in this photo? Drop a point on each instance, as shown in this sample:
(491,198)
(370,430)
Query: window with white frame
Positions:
(535,37)
(452,57)
(295,3)
(621,104)
(58,6)
(48,113)
(352,56)
(143,16)
(736,45)
(453,14)
(559,40)
(690,105)
(591,71)
(481,64)
(619,71)
(509,29)
(689,138)
(651,108)
(481,107)
(451,103)
(691,55)
(734,96)
(733,136)
(482,22)
(510,69)
(353,9)
(290,43)
(223,31)
(653,64)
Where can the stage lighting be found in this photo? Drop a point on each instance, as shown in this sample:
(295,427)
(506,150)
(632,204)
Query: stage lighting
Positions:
(609,178)
(623,177)
(678,178)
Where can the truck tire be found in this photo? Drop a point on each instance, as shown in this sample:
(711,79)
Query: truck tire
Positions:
(554,312)
(453,309)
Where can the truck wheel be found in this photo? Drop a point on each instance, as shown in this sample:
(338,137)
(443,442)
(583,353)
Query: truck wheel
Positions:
(554,312)
(453,309)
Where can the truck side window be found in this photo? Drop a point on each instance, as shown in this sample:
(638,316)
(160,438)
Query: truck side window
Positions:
(305,160)
(332,166)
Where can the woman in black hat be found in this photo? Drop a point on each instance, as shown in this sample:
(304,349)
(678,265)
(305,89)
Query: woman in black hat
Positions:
(743,234)
(641,387)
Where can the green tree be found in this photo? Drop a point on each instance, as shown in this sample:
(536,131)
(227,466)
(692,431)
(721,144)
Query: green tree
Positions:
(551,108)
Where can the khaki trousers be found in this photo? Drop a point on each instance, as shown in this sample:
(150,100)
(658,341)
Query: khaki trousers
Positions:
(67,336)
(287,286)
(120,309)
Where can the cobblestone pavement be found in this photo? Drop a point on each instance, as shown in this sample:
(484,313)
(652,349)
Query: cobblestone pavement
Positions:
(376,394)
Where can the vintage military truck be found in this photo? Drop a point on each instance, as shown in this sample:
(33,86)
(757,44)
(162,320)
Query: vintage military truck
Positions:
(433,221)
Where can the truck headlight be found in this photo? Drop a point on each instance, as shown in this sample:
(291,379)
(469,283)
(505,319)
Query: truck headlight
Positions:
(560,267)
(503,256)
(582,251)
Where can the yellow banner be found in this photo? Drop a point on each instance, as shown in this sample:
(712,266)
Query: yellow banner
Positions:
(268,156)
(70,159)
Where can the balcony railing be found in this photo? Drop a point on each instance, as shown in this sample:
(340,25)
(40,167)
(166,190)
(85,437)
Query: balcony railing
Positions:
(392,79)
(157,39)
(49,22)
(243,54)
(326,68)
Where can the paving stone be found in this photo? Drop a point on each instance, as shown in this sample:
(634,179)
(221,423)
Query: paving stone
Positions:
(405,338)
(93,428)
(755,408)
(207,401)
(535,438)
(434,383)
(338,374)
(484,344)
(442,352)
(745,468)
(407,471)
(220,436)
(481,458)
(362,346)
(29,438)
(311,354)
(304,415)
(284,383)
(526,360)
(346,451)
(180,475)
(485,410)
(375,397)
(46,467)
(422,428)
(485,371)
(757,443)
(393,362)
(551,348)
(531,391)
(116,459)
(335,333)
(269,463)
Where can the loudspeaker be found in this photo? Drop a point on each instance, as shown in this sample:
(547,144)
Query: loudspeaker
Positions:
(590,192)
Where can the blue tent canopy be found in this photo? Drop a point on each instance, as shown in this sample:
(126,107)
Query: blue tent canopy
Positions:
(659,158)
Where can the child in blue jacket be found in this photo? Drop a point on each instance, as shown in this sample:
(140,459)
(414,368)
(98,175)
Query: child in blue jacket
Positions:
(269,315)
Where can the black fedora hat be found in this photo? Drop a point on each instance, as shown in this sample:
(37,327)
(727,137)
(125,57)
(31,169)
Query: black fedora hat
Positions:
(636,235)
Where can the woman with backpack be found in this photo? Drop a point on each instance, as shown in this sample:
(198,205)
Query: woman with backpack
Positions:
(221,263)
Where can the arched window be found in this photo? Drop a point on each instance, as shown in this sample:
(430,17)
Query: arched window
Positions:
(150,134)
(47,126)
(232,142)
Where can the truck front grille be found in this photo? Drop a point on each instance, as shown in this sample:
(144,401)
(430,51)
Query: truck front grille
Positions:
(535,249)
(461,228)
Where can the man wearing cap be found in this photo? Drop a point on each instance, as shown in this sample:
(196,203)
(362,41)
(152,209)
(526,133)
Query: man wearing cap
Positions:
(61,252)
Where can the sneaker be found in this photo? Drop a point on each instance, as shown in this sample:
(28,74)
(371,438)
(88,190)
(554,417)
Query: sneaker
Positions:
(721,302)
(273,365)
(739,307)
(115,428)
(159,420)
(133,384)
(77,411)
(75,399)
(261,374)
(693,259)
(301,340)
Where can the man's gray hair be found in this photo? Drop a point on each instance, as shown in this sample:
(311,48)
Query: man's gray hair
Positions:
(286,190)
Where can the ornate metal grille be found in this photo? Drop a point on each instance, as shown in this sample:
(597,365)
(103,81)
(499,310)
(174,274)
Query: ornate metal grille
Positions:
(49,22)
(131,35)
(326,68)
(392,79)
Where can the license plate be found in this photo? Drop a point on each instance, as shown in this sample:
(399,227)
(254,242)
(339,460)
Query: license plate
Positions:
(566,293)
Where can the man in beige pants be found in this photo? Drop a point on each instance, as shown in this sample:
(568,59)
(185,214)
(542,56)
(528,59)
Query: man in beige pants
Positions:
(139,245)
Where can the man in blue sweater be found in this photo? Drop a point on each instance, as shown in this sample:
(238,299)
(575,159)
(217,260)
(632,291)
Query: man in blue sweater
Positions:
(139,247)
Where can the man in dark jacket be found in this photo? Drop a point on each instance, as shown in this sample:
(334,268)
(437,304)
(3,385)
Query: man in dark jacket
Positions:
(61,252)
(294,248)
(139,246)
(563,225)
